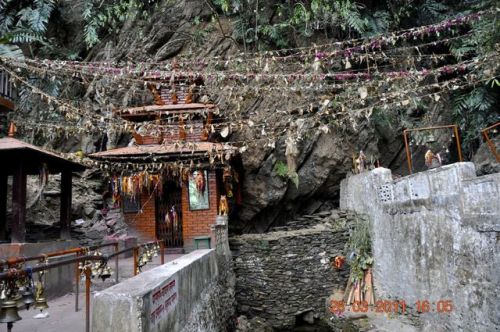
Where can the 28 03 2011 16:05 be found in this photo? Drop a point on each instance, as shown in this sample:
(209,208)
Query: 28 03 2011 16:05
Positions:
(391,306)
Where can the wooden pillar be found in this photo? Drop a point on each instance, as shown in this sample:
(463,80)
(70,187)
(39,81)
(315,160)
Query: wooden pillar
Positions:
(19,204)
(3,204)
(66,178)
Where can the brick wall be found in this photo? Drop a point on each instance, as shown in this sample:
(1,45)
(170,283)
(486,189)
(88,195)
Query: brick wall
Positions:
(172,134)
(197,223)
(194,223)
(144,224)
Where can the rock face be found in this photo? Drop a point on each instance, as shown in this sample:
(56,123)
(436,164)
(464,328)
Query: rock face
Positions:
(484,159)
(186,28)
(92,220)
(287,274)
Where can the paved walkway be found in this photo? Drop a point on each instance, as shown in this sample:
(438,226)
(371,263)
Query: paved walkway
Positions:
(62,315)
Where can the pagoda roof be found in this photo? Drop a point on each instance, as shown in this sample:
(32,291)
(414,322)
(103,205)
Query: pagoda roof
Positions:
(150,110)
(163,151)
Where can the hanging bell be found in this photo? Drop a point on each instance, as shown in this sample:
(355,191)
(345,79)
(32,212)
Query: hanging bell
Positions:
(149,255)
(8,312)
(144,259)
(96,270)
(28,298)
(106,273)
(18,298)
(41,303)
(3,295)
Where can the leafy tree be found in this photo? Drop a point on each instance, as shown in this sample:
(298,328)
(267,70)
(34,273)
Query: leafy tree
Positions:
(23,22)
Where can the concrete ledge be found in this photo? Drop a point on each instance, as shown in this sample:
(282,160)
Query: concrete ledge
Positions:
(160,299)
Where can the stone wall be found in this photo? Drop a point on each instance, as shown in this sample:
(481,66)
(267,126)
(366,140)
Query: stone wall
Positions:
(283,274)
(191,293)
(435,237)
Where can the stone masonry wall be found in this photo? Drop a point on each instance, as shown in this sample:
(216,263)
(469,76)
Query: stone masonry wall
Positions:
(435,237)
(281,274)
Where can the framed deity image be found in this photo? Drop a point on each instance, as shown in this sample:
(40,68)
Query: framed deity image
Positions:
(198,190)
(131,204)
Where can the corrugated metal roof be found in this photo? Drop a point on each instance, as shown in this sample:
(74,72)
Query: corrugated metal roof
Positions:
(163,149)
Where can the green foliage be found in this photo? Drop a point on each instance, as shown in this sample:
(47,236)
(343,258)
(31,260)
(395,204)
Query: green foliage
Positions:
(336,18)
(281,169)
(475,110)
(23,22)
(485,33)
(358,249)
(108,16)
(433,10)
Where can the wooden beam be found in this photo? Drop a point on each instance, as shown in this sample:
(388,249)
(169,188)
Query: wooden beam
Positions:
(3,204)
(19,204)
(66,193)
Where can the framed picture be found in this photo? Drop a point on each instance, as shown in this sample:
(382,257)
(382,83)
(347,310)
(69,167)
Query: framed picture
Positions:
(131,204)
(198,190)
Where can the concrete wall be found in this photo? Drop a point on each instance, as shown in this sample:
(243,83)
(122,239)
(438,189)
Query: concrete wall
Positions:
(58,281)
(281,275)
(191,293)
(435,237)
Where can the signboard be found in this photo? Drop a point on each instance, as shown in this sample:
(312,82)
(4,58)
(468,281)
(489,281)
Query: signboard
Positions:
(163,300)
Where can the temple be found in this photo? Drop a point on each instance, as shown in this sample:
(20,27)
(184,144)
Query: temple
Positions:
(176,205)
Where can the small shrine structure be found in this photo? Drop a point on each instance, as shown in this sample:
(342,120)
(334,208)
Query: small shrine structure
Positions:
(177,205)
(21,159)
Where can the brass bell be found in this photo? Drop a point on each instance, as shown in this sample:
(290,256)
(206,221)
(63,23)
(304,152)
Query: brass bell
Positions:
(18,298)
(28,298)
(8,312)
(106,273)
(143,260)
(149,255)
(95,270)
(41,303)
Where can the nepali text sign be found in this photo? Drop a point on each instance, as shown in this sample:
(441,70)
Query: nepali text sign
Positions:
(163,300)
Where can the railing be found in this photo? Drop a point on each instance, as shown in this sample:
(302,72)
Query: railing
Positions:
(490,143)
(6,90)
(82,257)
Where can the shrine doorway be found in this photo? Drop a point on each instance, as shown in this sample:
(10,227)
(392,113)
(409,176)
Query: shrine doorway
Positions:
(169,215)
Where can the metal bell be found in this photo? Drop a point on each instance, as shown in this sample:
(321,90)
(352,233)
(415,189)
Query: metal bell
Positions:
(106,273)
(18,298)
(41,303)
(8,312)
(28,298)
(95,270)
(149,255)
(143,260)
